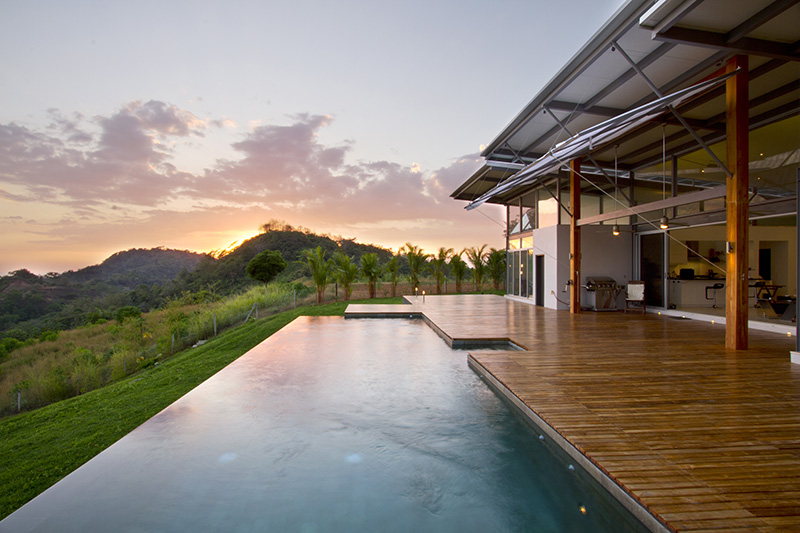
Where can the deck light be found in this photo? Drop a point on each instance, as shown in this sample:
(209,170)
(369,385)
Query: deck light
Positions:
(615,230)
(664,223)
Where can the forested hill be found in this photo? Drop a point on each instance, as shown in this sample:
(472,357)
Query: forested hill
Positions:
(148,279)
(226,274)
(136,267)
(61,301)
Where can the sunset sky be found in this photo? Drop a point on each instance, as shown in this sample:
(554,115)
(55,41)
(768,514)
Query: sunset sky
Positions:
(188,124)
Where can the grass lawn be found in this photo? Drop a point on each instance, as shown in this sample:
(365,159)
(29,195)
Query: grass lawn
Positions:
(38,448)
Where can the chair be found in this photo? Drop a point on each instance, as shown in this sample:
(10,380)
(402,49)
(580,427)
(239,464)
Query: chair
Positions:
(714,288)
(634,297)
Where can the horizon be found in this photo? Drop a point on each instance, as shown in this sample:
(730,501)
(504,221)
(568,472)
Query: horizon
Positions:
(232,246)
(189,125)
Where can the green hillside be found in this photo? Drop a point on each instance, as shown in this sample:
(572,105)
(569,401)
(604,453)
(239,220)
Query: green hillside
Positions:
(40,447)
(149,279)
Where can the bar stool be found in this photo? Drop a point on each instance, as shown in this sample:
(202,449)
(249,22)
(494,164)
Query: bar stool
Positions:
(715,287)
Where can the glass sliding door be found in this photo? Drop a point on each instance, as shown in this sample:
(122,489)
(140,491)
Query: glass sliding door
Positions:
(539,280)
(524,270)
(652,268)
(520,273)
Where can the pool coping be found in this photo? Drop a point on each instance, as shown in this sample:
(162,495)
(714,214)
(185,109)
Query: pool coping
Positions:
(630,502)
(415,311)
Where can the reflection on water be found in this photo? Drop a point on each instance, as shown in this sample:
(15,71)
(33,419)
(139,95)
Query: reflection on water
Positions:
(332,425)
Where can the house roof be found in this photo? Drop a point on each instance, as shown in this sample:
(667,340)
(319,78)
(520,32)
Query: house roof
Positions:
(646,50)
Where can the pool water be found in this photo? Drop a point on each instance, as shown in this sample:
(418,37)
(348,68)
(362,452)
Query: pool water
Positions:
(332,425)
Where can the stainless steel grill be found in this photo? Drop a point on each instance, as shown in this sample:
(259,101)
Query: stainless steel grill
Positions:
(602,293)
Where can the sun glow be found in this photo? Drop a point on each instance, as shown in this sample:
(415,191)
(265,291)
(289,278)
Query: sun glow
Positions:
(238,238)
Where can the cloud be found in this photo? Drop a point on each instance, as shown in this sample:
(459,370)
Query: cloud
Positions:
(70,128)
(124,162)
(117,179)
(9,196)
(166,119)
(280,163)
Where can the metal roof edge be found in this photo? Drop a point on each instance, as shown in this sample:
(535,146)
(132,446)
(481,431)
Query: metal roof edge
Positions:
(469,181)
(618,22)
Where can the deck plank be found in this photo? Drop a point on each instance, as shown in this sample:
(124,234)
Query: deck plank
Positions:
(707,438)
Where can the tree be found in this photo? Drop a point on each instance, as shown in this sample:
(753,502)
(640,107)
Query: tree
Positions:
(439,266)
(127,312)
(477,256)
(393,269)
(458,268)
(320,268)
(417,263)
(266,265)
(346,272)
(496,265)
(371,271)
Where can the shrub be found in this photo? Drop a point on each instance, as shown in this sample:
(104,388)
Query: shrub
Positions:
(8,345)
(127,312)
(48,336)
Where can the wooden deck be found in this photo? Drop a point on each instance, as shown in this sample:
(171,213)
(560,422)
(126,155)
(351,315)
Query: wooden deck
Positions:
(706,439)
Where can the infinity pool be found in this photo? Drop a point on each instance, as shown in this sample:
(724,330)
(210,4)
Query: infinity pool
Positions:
(332,425)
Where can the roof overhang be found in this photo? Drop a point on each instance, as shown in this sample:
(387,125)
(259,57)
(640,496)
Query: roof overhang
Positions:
(645,50)
(599,135)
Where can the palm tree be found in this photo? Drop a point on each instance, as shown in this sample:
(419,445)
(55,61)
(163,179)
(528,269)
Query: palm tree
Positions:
(320,269)
(371,270)
(477,256)
(393,268)
(346,272)
(459,269)
(496,265)
(439,266)
(417,263)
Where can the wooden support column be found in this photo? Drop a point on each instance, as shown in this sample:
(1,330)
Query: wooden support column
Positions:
(737,119)
(575,236)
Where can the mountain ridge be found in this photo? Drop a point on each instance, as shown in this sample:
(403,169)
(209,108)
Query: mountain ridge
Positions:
(147,278)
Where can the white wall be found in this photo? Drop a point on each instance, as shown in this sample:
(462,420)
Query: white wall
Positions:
(603,254)
(553,243)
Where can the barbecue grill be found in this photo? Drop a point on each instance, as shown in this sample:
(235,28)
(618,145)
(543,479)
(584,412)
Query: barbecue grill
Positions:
(602,293)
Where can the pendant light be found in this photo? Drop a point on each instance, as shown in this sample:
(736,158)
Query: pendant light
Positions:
(664,222)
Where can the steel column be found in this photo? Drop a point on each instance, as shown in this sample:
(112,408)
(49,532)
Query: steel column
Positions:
(575,236)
